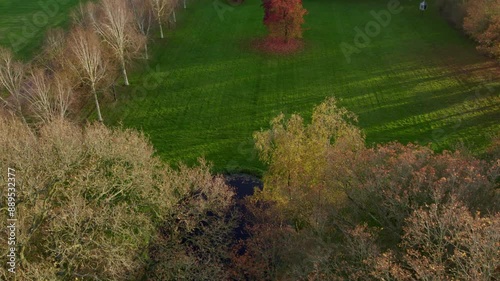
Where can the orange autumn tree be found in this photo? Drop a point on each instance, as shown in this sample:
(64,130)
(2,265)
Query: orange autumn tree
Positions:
(482,23)
(284,18)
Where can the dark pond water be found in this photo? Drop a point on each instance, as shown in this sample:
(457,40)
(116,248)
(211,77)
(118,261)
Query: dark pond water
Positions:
(243,184)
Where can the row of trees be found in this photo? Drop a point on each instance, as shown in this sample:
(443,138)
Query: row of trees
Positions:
(332,209)
(482,23)
(479,19)
(105,37)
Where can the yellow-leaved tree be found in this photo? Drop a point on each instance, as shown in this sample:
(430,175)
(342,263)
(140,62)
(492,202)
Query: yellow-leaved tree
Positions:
(299,160)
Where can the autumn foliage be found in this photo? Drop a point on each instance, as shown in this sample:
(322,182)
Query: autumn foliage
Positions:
(92,202)
(95,203)
(284,19)
(482,23)
(479,19)
(333,209)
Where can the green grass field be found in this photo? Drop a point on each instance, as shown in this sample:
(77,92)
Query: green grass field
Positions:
(206,90)
(23,23)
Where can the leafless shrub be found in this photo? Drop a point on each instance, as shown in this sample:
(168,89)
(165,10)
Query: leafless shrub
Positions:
(48,96)
(83,13)
(12,74)
(88,200)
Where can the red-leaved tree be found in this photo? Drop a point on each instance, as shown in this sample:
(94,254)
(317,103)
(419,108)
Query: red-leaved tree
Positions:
(284,18)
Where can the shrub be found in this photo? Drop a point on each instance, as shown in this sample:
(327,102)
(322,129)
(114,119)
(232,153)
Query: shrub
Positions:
(394,180)
(87,200)
(446,241)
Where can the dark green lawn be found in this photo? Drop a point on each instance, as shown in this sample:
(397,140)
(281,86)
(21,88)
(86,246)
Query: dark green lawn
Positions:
(206,90)
(23,23)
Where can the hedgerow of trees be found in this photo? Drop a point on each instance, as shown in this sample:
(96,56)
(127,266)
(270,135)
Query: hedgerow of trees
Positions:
(82,64)
(479,19)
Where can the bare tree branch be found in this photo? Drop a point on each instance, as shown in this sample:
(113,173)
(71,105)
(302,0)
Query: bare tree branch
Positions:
(37,91)
(12,74)
(143,16)
(88,61)
(113,21)
(161,9)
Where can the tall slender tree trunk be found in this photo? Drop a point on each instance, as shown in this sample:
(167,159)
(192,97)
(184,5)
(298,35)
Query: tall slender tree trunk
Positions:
(114,91)
(319,204)
(99,116)
(175,19)
(161,29)
(124,71)
(146,50)
(289,187)
(20,110)
(184,4)
(286,28)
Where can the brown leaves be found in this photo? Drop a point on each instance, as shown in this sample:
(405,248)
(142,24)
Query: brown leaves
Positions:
(482,23)
(408,213)
(447,241)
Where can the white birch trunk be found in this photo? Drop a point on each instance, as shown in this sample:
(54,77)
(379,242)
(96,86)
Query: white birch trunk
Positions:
(124,71)
(99,116)
(161,30)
